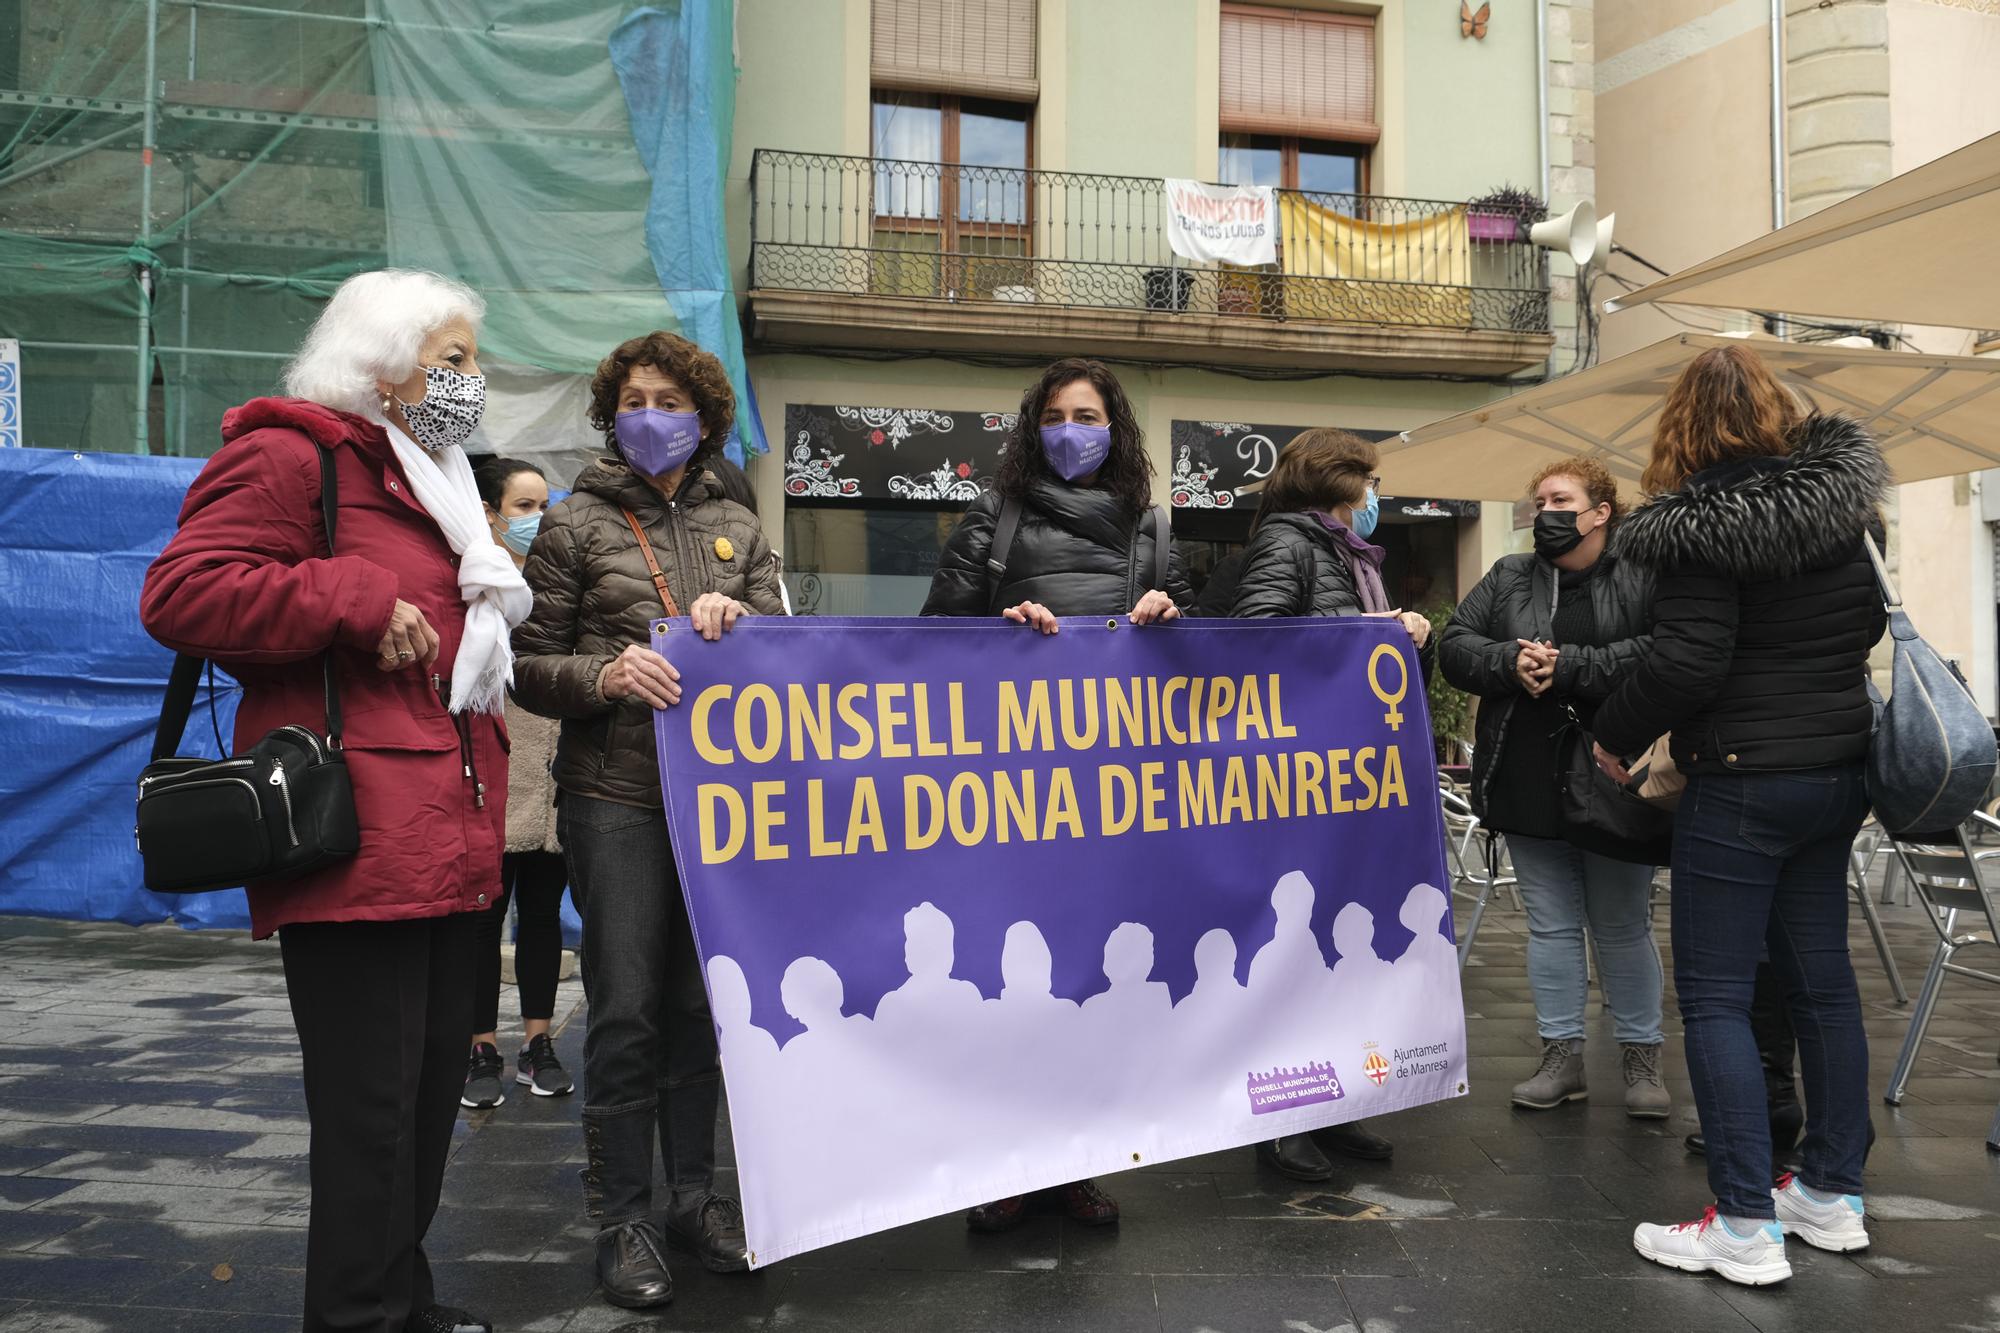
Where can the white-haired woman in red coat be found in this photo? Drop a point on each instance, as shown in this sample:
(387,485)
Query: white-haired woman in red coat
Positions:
(415,603)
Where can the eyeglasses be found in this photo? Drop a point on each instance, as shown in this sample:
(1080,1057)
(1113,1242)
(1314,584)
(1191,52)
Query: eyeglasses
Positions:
(1376,482)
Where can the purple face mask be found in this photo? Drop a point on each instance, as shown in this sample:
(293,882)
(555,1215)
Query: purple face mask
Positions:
(1075,450)
(656,441)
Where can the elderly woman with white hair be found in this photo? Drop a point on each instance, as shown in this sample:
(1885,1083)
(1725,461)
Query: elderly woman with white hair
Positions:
(412,603)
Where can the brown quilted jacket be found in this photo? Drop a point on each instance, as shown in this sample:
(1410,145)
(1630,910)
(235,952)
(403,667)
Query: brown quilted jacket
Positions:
(593,596)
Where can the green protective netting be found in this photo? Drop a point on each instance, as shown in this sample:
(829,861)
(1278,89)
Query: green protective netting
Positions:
(297,143)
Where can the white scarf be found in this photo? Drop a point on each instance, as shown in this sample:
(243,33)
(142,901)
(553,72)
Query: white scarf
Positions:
(496,597)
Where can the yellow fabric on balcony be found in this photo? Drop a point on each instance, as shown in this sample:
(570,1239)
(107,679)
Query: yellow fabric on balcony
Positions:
(1415,272)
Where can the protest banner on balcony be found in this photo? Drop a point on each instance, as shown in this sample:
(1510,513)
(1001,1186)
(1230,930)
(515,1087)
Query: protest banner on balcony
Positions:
(984,911)
(1222,224)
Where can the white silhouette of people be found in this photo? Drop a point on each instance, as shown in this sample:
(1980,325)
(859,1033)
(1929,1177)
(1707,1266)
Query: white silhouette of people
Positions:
(1212,1023)
(1423,915)
(752,1077)
(813,994)
(1031,1056)
(1126,1027)
(1291,967)
(932,1000)
(1218,999)
(1360,977)
(831,1125)
(1026,975)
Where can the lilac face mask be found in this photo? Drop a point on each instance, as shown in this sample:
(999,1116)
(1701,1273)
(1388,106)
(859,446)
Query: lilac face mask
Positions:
(1075,450)
(656,441)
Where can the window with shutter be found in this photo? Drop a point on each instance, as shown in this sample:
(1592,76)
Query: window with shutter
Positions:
(984,48)
(954,85)
(1297,94)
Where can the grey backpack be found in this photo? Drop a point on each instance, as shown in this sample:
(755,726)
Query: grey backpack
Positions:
(1933,751)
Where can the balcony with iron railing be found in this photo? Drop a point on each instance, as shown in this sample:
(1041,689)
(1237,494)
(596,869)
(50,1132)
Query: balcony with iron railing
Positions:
(877,253)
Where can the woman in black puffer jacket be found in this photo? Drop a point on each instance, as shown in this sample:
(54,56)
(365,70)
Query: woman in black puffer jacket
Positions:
(1309,555)
(1763,618)
(1076,468)
(1542,640)
(1077,475)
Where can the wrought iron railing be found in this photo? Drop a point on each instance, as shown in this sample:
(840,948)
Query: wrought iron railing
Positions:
(932,231)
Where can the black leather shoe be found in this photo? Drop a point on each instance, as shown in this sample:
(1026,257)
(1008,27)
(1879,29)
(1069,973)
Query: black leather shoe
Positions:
(446,1319)
(1695,1144)
(710,1228)
(1355,1139)
(1297,1156)
(631,1268)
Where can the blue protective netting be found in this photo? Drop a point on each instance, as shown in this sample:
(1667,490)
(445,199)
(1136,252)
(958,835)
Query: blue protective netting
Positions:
(83,686)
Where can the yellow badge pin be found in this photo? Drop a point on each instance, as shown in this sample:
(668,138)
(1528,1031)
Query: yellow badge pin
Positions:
(723,550)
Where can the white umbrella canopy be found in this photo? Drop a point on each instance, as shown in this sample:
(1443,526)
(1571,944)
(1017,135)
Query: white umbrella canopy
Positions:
(1935,416)
(1920,248)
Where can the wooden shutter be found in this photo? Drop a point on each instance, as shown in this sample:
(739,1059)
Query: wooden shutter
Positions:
(1288,71)
(985,48)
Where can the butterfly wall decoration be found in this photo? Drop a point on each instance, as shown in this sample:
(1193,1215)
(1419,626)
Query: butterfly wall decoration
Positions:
(1471,24)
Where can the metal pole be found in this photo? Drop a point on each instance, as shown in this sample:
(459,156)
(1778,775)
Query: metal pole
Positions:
(1778,163)
(1542,92)
(145,276)
(179,444)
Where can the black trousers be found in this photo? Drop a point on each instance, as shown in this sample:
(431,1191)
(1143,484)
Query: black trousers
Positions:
(384,1013)
(535,881)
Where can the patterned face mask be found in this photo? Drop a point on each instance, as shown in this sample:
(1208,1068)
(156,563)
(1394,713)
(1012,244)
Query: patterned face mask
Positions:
(450,410)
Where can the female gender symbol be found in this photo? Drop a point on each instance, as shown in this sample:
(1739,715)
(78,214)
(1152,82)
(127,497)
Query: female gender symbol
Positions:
(1394,717)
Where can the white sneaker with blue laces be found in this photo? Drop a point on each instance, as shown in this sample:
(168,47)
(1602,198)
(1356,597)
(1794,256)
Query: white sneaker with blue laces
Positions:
(1711,1245)
(1836,1222)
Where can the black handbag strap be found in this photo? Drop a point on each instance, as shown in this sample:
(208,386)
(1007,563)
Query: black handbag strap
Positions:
(1163,546)
(1003,544)
(186,675)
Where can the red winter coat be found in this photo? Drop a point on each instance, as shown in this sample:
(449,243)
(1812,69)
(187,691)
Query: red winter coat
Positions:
(246,582)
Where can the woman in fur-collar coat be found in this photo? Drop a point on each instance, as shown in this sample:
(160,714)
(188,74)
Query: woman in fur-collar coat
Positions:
(1764,613)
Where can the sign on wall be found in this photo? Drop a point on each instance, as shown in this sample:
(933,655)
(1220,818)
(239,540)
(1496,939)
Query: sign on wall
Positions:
(1214,461)
(864,454)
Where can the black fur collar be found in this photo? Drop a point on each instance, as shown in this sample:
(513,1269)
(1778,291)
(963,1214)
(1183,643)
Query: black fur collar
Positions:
(1771,519)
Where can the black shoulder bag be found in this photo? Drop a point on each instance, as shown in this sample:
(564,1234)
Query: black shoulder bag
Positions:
(284,809)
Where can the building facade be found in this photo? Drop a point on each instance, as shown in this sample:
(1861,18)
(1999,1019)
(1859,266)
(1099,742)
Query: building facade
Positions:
(1865,89)
(931,199)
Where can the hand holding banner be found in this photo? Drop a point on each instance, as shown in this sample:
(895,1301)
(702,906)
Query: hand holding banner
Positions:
(984,911)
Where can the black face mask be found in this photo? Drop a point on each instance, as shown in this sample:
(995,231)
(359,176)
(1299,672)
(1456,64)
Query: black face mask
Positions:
(1556,534)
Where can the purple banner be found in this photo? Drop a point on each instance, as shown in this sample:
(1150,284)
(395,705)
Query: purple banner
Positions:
(984,911)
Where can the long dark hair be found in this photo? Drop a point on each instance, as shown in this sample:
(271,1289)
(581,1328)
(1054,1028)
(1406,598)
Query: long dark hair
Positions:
(492,474)
(1127,472)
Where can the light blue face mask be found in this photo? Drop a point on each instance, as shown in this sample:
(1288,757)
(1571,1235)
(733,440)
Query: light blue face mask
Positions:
(1367,516)
(521,532)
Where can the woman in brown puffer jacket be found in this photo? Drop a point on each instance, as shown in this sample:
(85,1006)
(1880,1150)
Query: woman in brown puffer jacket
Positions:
(649,1055)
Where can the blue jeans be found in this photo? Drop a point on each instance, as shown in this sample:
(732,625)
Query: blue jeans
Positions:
(1564,889)
(1760,863)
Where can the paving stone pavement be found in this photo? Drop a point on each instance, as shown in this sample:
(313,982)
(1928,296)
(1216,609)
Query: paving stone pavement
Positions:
(152,1177)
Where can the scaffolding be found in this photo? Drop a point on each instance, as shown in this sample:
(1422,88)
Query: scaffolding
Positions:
(183,182)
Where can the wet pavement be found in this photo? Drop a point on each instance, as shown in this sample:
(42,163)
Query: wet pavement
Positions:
(152,1177)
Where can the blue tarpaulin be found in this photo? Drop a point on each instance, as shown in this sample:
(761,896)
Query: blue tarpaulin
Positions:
(83,686)
(678,72)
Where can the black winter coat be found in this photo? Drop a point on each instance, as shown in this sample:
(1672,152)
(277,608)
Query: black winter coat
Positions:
(1295,567)
(1479,648)
(1766,609)
(1078,552)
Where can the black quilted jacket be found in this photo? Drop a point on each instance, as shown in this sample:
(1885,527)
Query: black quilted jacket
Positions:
(1765,610)
(1078,552)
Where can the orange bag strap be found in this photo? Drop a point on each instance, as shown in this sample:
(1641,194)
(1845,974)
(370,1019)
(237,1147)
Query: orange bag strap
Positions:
(652,563)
